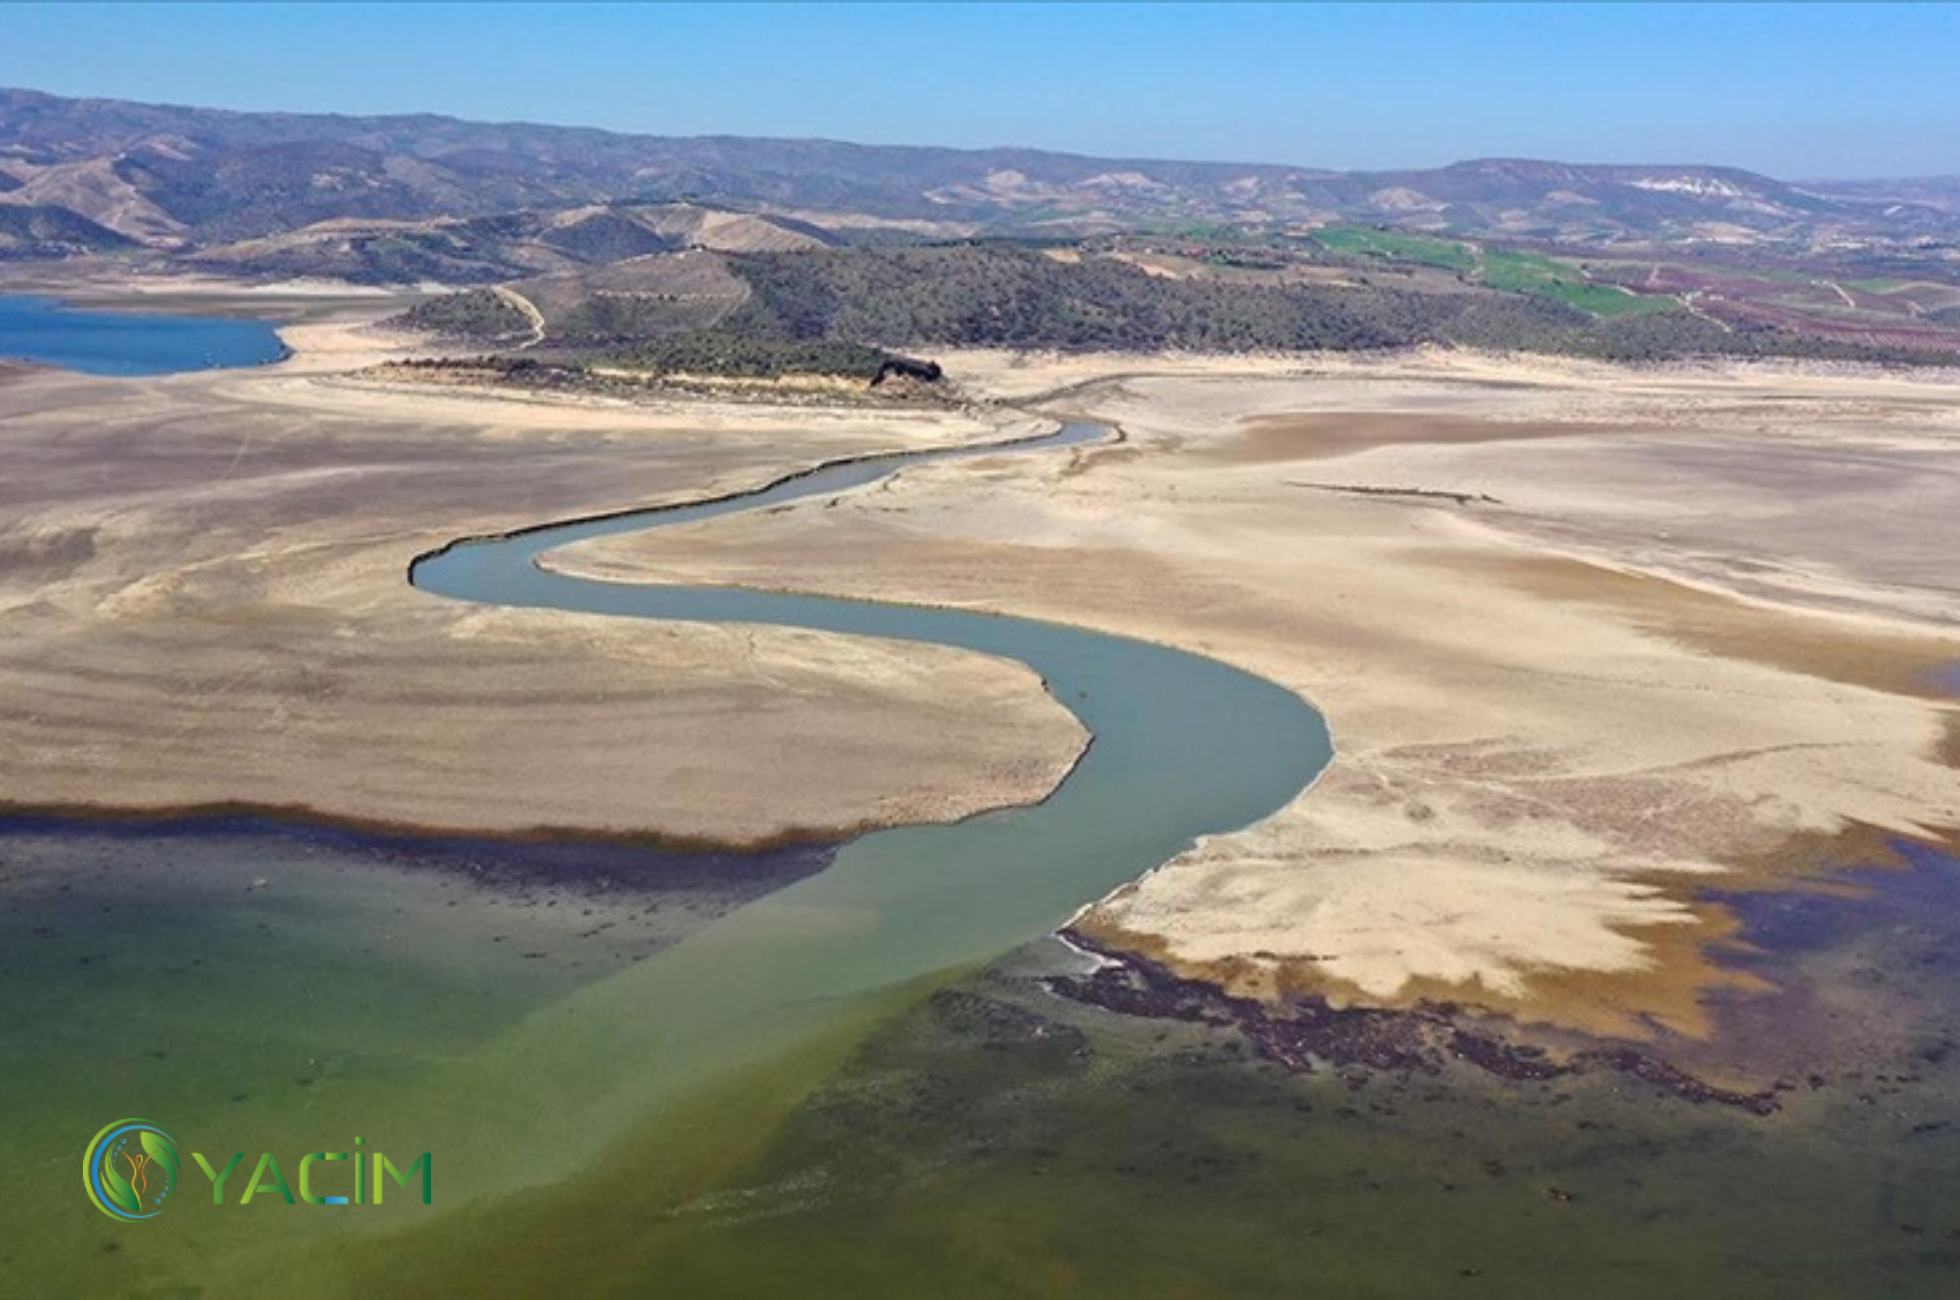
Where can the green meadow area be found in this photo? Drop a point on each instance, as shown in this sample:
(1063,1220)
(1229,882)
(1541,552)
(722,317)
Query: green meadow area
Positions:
(1398,246)
(1510,272)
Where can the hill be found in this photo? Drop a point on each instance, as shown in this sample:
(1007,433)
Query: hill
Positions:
(1003,296)
(171,177)
(506,246)
(742,314)
(1941,193)
(35,230)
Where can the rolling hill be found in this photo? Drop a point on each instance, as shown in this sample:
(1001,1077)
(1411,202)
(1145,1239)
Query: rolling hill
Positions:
(36,230)
(506,246)
(174,178)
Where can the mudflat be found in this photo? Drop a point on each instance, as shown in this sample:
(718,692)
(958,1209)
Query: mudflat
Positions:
(204,584)
(1589,639)
(1574,674)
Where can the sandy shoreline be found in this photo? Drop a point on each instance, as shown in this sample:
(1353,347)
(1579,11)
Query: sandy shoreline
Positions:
(1589,639)
(204,580)
(1547,747)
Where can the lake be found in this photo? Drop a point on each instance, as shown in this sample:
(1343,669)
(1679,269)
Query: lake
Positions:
(50,333)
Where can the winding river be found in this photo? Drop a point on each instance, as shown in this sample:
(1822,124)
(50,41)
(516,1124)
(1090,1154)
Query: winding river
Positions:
(355,1000)
(1183,746)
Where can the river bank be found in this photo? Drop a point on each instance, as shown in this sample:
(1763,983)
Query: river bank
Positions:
(1561,713)
(204,580)
(1583,645)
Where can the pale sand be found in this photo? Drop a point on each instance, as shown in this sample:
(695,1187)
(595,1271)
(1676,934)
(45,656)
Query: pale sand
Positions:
(1646,667)
(203,584)
(1556,716)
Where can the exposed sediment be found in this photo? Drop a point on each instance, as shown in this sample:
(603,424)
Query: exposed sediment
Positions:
(201,576)
(1561,716)
(1306,1033)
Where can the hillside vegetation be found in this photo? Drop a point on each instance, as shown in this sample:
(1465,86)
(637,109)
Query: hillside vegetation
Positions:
(1398,246)
(1012,297)
(734,314)
(741,356)
(1000,296)
(1506,270)
(479,315)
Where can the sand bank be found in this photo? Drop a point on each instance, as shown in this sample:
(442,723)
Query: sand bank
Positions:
(203,580)
(1559,714)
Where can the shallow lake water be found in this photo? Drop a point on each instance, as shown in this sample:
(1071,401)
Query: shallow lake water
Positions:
(1000,1139)
(764,997)
(121,343)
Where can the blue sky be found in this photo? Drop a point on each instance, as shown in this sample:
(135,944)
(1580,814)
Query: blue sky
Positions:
(1798,91)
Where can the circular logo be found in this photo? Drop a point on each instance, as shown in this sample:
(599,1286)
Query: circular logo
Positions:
(130,1169)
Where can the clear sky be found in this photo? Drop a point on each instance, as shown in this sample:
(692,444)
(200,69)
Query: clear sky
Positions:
(1798,91)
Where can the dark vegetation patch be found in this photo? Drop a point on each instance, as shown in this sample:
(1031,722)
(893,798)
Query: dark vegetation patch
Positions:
(741,356)
(1309,1033)
(728,367)
(609,319)
(998,295)
(1005,296)
(473,314)
(1011,294)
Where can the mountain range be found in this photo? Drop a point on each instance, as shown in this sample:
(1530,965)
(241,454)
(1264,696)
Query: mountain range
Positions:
(283,192)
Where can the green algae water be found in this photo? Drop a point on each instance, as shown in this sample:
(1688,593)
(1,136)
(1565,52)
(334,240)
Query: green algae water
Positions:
(718,1032)
(829,1081)
(999,1140)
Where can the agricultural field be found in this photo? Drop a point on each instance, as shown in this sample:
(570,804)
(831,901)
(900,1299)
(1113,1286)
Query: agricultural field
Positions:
(1399,246)
(1508,272)
(1548,277)
(1871,310)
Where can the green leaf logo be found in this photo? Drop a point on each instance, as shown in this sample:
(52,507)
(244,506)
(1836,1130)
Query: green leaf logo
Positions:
(130,1169)
(162,1150)
(120,1193)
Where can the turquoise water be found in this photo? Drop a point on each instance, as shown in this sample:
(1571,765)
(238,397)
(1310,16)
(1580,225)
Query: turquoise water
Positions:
(1184,746)
(120,343)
